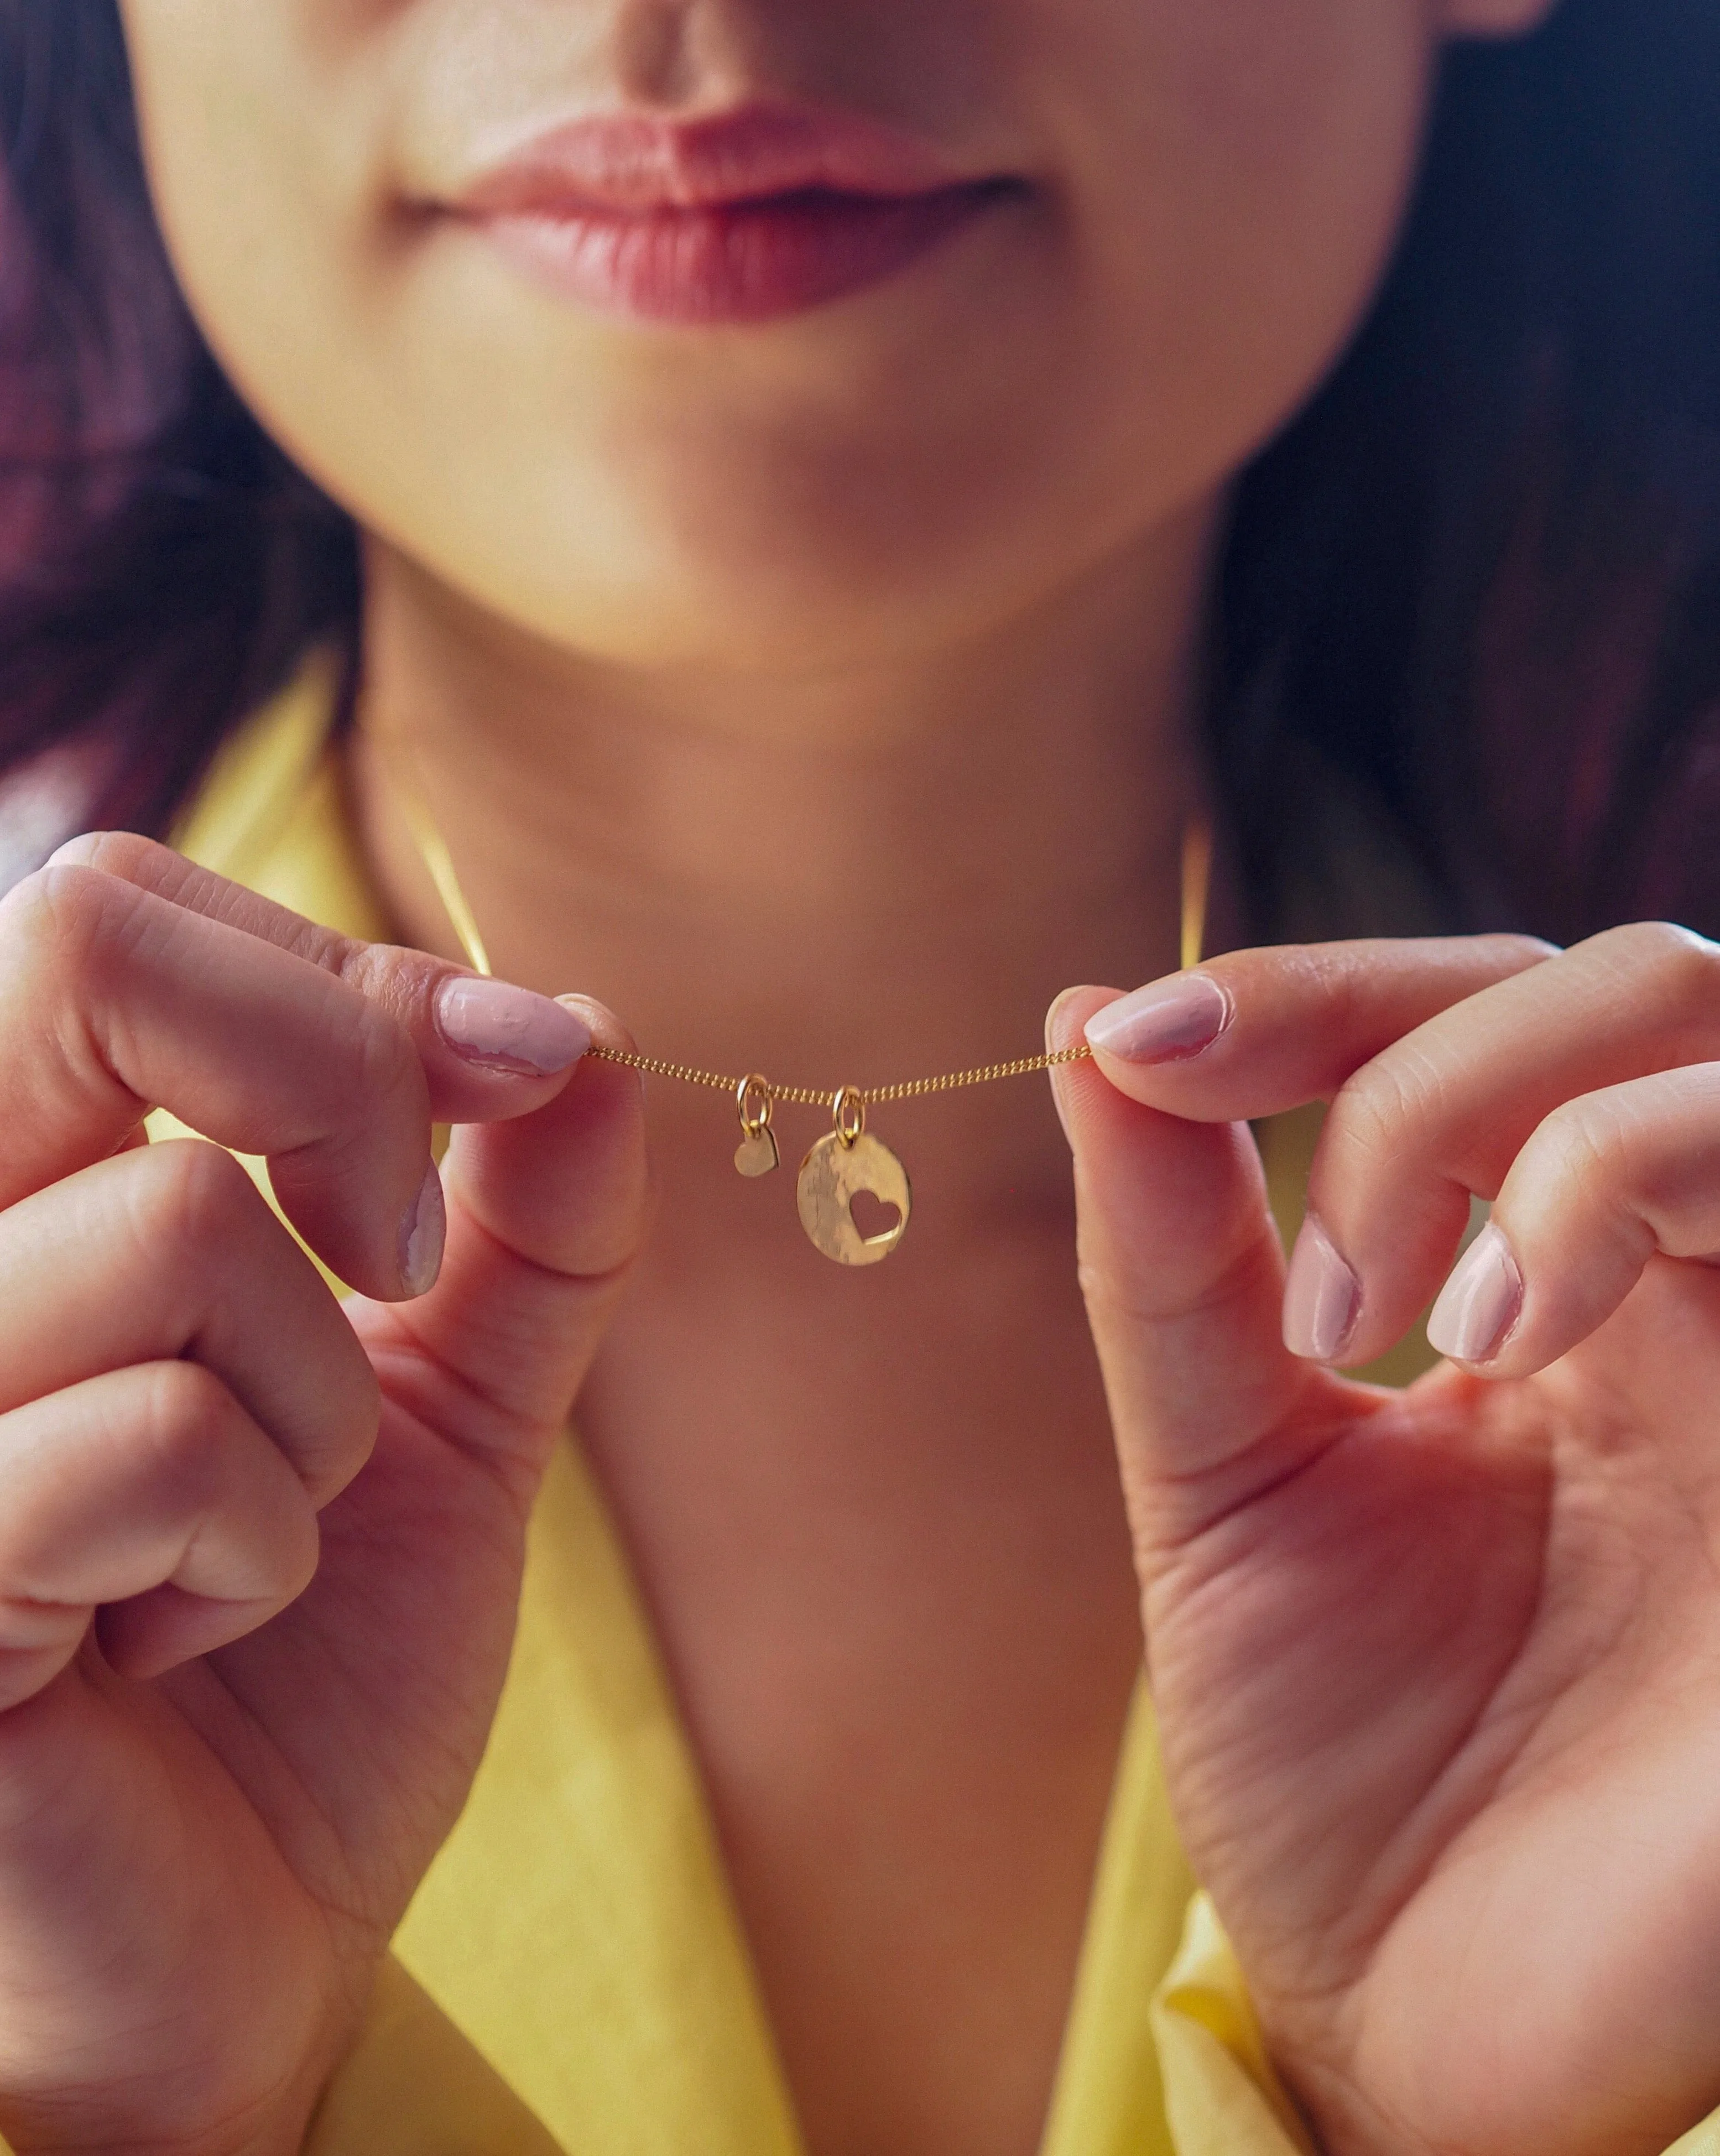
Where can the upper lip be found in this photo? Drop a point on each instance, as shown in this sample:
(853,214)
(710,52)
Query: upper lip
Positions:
(639,163)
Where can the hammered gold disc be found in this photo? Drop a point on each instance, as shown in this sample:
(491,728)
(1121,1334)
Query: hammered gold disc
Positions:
(757,1154)
(833,1174)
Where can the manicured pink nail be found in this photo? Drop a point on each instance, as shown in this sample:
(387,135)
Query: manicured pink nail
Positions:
(1479,1304)
(489,1022)
(422,1234)
(1323,1297)
(1166,1023)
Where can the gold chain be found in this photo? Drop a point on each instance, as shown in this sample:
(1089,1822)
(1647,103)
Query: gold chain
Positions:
(432,850)
(820,1096)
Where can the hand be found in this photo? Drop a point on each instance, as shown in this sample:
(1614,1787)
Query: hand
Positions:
(1438,1672)
(259,1553)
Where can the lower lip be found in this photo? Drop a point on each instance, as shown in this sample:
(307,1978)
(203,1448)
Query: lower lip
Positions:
(735,262)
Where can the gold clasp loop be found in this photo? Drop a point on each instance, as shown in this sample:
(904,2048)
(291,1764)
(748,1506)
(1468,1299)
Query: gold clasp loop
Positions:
(757,1104)
(849,1110)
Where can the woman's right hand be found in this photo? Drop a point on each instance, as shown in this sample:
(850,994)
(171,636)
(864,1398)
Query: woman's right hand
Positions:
(259,1552)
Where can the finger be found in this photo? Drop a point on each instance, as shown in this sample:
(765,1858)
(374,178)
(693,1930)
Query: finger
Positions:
(487,1048)
(143,1479)
(1182,1273)
(547,1215)
(1256,1032)
(1604,1184)
(112,999)
(172,1253)
(1440,1115)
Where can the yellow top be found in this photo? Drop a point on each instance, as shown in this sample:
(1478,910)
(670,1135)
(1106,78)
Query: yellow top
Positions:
(572,1975)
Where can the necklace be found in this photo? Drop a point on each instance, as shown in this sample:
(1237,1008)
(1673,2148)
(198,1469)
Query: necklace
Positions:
(848,1163)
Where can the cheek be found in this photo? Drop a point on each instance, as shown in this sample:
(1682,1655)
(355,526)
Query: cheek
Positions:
(1246,171)
(256,142)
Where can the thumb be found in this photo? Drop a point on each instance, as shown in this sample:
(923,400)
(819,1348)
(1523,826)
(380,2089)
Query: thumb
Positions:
(545,1215)
(1183,1275)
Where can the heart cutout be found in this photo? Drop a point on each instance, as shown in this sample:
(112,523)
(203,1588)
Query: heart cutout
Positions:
(872,1218)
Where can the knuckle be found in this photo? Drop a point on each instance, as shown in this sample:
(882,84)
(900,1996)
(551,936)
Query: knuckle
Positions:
(1585,1155)
(114,852)
(1134,1296)
(64,932)
(68,933)
(56,918)
(187,1423)
(384,1065)
(376,970)
(1581,1142)
(1677,959)
(1581,1172)
(201,1462)
(1381,1110)
(189,1198)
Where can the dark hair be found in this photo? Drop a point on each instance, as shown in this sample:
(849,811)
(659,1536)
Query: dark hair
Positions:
(163,565)
(1481,575)
(1477,582)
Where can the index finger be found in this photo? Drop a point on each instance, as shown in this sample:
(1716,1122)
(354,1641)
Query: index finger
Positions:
(1257,1032)
(482,1044)
(114,999)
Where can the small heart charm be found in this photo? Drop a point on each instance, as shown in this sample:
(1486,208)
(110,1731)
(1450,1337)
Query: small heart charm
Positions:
(757,1155)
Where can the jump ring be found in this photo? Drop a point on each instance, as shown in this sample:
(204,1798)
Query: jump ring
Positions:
(849,1108)
(757,1105)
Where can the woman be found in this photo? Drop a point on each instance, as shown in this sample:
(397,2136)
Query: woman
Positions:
(778,494)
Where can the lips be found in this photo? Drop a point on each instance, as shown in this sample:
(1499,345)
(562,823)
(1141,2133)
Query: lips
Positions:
(733,218)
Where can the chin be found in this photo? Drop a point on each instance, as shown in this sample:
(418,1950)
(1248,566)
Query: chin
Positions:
(759,624)
(773,585)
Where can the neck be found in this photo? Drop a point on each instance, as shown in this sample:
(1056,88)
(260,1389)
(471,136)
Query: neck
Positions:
(852,878)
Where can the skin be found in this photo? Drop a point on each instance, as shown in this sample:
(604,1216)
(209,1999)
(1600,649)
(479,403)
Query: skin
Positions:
(807,774)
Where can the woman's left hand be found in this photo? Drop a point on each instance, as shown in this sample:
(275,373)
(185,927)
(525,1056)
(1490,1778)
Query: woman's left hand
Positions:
(1437,1672)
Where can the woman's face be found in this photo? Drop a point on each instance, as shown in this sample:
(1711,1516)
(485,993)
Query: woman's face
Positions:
(1064,264)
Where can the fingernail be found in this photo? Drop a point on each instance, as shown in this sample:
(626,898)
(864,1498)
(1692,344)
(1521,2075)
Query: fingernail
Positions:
(1323,1297)
(489,1022)
(1166,1023)
(1480,1303)
(423,1234)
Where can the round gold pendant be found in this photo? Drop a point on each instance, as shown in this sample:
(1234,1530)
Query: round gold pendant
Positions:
(836,1172)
